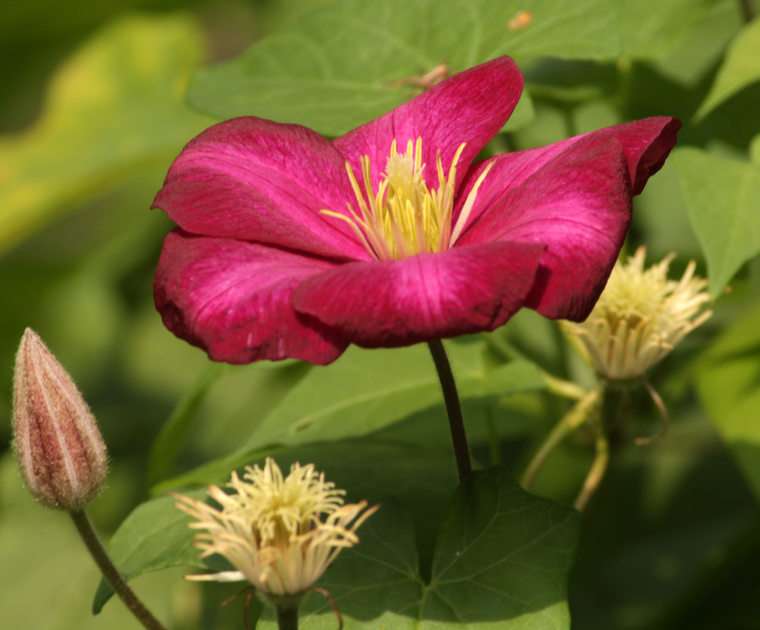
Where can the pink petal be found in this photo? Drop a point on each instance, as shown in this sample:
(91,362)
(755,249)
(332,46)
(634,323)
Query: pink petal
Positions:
(256,180)
(395,303)
(470,107)
(576,203)
(645,144)
(234,300)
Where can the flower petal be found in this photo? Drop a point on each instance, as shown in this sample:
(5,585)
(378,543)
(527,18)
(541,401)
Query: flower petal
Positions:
(395,303)
(577,203)
(256,180)
(233,299)
(470,107)
(645,144)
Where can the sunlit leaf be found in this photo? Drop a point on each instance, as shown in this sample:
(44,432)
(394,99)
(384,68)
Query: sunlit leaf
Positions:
(729,387)
(740,69)
(348,62)
(113,105)
(723,197)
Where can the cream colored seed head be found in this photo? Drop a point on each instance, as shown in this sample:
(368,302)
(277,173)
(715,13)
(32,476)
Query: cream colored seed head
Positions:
(280,533)
(640,317)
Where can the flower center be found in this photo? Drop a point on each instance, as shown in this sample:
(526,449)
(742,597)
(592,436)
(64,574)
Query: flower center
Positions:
(404,217)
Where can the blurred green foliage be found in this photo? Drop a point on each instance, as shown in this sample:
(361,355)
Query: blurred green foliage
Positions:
(93,110)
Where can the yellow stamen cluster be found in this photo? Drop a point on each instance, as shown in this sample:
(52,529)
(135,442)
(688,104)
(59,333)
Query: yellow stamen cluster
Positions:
(405,217)
(640,317)
(280,533)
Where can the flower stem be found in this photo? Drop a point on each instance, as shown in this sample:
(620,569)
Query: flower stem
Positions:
(112,576)
(453,409)
(578,414)
(598,467)
(287,617)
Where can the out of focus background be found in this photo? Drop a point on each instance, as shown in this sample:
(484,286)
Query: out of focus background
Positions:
(94,106)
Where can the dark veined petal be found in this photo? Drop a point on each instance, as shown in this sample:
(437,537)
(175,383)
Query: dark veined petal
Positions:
(256,180)
(395,303)
(233,299)
(470,107)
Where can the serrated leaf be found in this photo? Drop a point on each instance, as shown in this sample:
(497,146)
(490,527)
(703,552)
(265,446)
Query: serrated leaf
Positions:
(740,69)
(154,536)
(723,197)
(115,104)
(728,383)
(343,64)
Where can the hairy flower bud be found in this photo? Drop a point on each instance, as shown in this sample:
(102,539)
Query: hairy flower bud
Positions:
(60,451)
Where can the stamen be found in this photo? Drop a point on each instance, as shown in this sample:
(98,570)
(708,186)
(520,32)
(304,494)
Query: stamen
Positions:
(404,217)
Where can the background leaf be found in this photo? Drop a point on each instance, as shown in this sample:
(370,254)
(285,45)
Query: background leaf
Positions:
(723,197)
(740,69)
(131,76)
(729,387)
(355,56)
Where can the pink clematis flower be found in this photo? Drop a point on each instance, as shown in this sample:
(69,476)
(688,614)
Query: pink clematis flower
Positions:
(291,245)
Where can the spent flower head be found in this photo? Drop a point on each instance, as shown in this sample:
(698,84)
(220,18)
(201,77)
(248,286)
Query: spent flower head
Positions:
(60,451)
(640,317)
(279,532)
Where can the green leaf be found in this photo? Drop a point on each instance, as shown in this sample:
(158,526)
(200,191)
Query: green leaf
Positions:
(728,383)
(723,197)
(154,536)
(366,390)
(501,556)
(386,387)
(114,105)
(168,444)
(739,70)
(655,34)
(355,58)
(501,560)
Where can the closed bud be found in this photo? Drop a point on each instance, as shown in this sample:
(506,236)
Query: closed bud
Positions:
(60,451)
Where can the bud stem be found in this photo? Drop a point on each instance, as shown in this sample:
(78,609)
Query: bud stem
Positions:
(453,409)
(287,617)
(110,573)
(580,413)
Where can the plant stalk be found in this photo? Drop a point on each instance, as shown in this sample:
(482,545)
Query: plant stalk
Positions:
(572,420)
(453,409)
(287,617)
(111,574)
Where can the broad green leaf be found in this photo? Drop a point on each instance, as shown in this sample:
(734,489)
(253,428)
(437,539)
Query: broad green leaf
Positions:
(692,55)
(501,557)
(740,69)
(657,34)
(112,106)
(366,390)
(501,561)
(154,536)
(343,64)
(723,197)
(728,382)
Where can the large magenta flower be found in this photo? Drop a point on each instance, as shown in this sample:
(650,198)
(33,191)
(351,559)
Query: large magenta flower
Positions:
(291,245)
